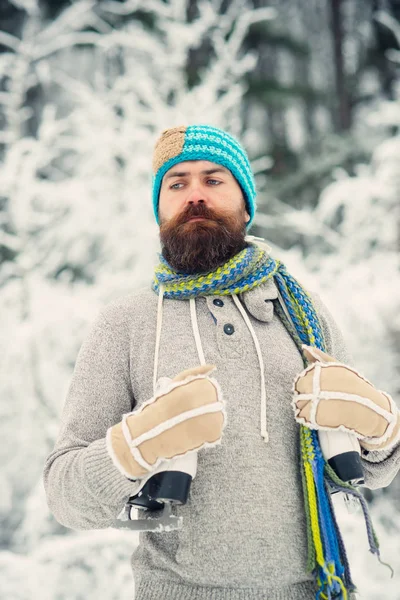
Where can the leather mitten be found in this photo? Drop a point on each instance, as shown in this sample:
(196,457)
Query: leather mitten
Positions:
(186,414)
(331,395)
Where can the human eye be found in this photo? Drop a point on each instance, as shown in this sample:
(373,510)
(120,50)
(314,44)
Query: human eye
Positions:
(214,181)
(173,186)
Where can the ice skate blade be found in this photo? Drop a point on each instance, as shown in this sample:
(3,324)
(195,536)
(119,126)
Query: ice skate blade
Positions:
(165,521)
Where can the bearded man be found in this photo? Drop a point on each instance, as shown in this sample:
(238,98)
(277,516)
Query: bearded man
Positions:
(142,395)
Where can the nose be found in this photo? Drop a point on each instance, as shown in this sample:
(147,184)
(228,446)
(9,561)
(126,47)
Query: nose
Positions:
(196,196)
(197,201)
(196,193)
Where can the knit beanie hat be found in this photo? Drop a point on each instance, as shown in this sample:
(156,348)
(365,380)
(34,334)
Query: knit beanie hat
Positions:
(203,142)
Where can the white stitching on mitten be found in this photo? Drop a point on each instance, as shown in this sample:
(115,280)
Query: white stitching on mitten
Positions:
(162,386)
(375,441)
(166,388)
(317,395)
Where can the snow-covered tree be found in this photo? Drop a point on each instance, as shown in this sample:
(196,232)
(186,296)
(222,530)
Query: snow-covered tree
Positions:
(347,250)
(78,230)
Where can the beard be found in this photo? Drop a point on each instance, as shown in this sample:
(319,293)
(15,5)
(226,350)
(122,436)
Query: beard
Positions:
(201,246)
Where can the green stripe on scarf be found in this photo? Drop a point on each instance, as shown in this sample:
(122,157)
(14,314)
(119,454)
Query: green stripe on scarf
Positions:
(249,268)
(241,273)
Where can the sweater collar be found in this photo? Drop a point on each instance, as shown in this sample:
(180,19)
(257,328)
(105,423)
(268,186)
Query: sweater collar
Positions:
(258,300)
(255,305)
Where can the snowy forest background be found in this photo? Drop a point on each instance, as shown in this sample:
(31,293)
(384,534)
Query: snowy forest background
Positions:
(312,90)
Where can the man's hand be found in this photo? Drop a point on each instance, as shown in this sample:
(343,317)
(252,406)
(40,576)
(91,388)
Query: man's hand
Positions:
(186,413)
(330,395)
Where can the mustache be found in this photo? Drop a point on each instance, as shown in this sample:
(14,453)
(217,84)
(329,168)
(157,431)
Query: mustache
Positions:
(199,210)
(202,248)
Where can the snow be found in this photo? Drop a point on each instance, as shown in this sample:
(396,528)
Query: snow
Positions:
(374,580)
(78,227)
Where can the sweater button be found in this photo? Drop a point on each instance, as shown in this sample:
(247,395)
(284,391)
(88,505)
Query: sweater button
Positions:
(218,302)
(229,329)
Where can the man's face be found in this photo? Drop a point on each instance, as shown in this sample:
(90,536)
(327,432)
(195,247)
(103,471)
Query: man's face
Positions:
(202,216)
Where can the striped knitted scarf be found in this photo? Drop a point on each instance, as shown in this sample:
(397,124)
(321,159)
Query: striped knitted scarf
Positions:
(327,558)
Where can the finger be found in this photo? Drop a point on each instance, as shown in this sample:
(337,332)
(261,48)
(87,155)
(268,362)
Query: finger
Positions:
(305,412)
(304,407)
(301,403)
(314,355)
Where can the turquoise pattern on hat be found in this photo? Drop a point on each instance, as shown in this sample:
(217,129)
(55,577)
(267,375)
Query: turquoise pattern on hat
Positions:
(204,142)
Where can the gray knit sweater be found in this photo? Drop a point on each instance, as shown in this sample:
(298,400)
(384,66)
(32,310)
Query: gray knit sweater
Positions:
(244,532)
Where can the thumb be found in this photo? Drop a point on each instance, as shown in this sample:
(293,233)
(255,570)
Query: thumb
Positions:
(200,370)
(315,355)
